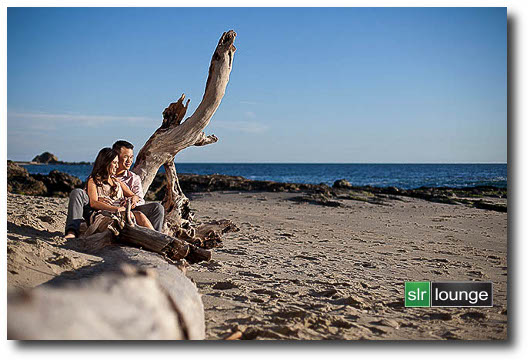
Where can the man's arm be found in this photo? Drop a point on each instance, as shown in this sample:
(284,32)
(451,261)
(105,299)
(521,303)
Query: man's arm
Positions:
(136,188)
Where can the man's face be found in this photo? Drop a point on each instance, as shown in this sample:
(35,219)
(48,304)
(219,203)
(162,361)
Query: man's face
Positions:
(126,158)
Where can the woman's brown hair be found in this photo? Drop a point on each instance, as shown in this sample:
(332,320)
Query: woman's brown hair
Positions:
(100,171)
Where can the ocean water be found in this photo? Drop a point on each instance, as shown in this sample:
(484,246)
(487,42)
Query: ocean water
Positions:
(405,176)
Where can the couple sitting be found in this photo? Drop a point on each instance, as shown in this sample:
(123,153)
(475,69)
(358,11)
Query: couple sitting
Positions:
(106,192)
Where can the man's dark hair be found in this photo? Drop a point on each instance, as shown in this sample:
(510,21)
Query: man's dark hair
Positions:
(122,143)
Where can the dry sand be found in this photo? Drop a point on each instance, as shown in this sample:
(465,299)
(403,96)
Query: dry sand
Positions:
(304,271)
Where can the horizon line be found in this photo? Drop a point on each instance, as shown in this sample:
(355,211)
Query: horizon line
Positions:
(290,162)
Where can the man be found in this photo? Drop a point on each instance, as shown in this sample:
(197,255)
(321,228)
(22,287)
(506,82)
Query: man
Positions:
(79,203)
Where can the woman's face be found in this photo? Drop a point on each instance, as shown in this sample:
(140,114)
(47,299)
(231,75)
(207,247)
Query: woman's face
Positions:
(113,167)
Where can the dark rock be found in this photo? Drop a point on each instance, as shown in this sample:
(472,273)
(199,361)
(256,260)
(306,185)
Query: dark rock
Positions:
(20,182)
(193,183)
(392,190)
(342,183)
(59,184)
(55,184)
(46,158)
(14,170)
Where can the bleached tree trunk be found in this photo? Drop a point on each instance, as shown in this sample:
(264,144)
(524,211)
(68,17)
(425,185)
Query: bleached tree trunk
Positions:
(174,136)
(130,295)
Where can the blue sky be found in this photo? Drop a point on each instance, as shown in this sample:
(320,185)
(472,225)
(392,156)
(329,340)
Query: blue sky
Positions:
(307,85)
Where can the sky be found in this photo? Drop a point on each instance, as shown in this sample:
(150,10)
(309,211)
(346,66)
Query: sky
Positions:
(316,85)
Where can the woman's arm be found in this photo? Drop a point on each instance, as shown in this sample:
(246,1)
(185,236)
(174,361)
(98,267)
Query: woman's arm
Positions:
(92,192)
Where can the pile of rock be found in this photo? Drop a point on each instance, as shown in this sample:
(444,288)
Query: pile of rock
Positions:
(55,184)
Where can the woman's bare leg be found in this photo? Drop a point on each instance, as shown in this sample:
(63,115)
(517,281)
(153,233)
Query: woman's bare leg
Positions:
(142,220)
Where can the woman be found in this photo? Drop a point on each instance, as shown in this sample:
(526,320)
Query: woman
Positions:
(107,194)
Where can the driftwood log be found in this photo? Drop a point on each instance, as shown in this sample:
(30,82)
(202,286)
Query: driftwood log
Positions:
(125,231)
(174,136)
(109,302)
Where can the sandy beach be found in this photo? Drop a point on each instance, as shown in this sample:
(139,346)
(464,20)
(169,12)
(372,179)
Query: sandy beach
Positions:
(305,271)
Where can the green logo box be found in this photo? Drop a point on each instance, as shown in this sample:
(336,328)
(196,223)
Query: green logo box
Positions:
(417,294)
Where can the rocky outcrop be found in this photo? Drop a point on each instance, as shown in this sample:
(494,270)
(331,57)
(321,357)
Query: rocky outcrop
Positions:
(470,196)
(46,158)
(20,182)
(325,195)
(59,184)
(55,184)
(193,183)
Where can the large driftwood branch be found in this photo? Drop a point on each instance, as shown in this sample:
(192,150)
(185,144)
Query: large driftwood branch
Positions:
(174,136)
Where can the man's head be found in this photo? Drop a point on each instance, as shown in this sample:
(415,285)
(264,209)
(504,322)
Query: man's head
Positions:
(125,154)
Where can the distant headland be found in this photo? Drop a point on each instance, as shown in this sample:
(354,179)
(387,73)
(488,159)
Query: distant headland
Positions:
(49,158)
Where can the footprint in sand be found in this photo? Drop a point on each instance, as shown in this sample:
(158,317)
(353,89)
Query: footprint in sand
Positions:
(473,315)
(438,316)
(450,336)
(272,294)
(224,285)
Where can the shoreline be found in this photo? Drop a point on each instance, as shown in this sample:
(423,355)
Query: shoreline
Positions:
(329,183)
(160,175)
(56,183)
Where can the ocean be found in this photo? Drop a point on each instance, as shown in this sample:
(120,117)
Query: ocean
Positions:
(404,176)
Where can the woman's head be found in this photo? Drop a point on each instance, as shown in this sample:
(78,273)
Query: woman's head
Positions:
(105,165)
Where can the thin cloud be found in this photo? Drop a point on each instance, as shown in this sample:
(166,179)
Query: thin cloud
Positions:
(54,119)
(243,126)
(250,115)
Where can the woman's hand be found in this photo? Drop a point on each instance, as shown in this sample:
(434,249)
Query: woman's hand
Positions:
(134,199)
(119,209)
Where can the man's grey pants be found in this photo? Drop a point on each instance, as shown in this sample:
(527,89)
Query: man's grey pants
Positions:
(79,207)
